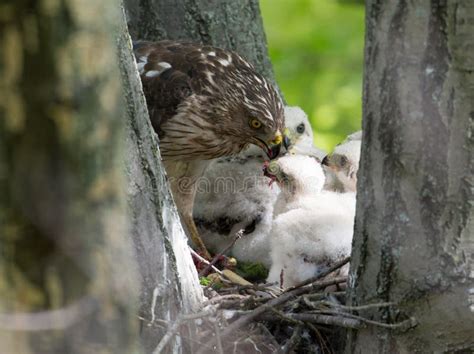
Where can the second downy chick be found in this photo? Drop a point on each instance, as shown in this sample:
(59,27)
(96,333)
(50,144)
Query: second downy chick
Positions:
(312,228)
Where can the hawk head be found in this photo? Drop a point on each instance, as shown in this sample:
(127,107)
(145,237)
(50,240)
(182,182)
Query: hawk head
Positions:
(246,110)
(207,102)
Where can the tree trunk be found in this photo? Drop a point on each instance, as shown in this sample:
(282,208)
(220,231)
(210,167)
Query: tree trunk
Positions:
(66,269)
(230,24)
(169,281)
(414,234)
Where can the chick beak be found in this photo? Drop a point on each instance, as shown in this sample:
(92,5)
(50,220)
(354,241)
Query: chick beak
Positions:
(325,161)
(286,142)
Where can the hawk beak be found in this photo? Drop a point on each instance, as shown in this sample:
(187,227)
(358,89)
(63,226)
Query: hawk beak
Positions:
(274,151)
(274,146)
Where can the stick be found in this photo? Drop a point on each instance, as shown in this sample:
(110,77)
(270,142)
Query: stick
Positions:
(283,316)
(324,346)
(238,235)
(331,269)
(327,320)
(221,298)
(277,301)
(293,341)
(263,287)
(403,325)
(319,296)
(333,320)
(357,308)
(195,254)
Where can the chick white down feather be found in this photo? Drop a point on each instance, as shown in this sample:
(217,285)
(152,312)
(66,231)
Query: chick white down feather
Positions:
(342,165)
(312,227)
(235,195)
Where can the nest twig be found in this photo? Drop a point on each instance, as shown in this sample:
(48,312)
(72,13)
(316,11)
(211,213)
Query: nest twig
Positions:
(224,252)
(251,318)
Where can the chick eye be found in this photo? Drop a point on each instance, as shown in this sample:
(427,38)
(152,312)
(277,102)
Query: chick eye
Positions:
(255,123)
(300,128)
(344,161)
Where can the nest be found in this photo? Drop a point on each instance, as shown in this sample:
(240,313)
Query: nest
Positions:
(241,317)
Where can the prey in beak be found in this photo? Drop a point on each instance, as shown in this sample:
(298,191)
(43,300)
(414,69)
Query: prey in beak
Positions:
(273,147)
(270,170)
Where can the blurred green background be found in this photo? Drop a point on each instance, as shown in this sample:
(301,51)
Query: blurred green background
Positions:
(316,47)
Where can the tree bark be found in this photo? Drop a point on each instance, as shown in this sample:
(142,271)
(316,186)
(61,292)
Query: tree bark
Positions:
(67,276)
(414,234)
(169,281)
(230,24)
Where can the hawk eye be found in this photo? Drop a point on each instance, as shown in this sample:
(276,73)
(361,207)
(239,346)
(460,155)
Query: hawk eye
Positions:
(300,128)
(255,123)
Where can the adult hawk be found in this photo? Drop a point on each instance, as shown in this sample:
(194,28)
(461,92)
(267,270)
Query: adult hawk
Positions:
(204,103)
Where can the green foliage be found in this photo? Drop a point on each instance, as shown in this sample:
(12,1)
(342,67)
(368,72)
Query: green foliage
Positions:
(205,281)
(316,47)
(252,271)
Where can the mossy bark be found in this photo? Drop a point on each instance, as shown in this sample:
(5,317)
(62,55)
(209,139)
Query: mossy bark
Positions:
(66,268)
(414,233)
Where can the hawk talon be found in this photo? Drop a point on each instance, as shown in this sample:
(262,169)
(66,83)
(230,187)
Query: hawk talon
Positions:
(196,239)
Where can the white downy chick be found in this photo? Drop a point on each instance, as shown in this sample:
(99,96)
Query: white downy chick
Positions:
(342,165)
(312,227)
(300,133)
(234,195)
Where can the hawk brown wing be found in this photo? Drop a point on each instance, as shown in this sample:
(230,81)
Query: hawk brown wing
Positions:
(171,71)
(166,71)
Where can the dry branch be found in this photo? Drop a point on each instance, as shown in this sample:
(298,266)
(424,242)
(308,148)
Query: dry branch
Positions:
(218,256)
